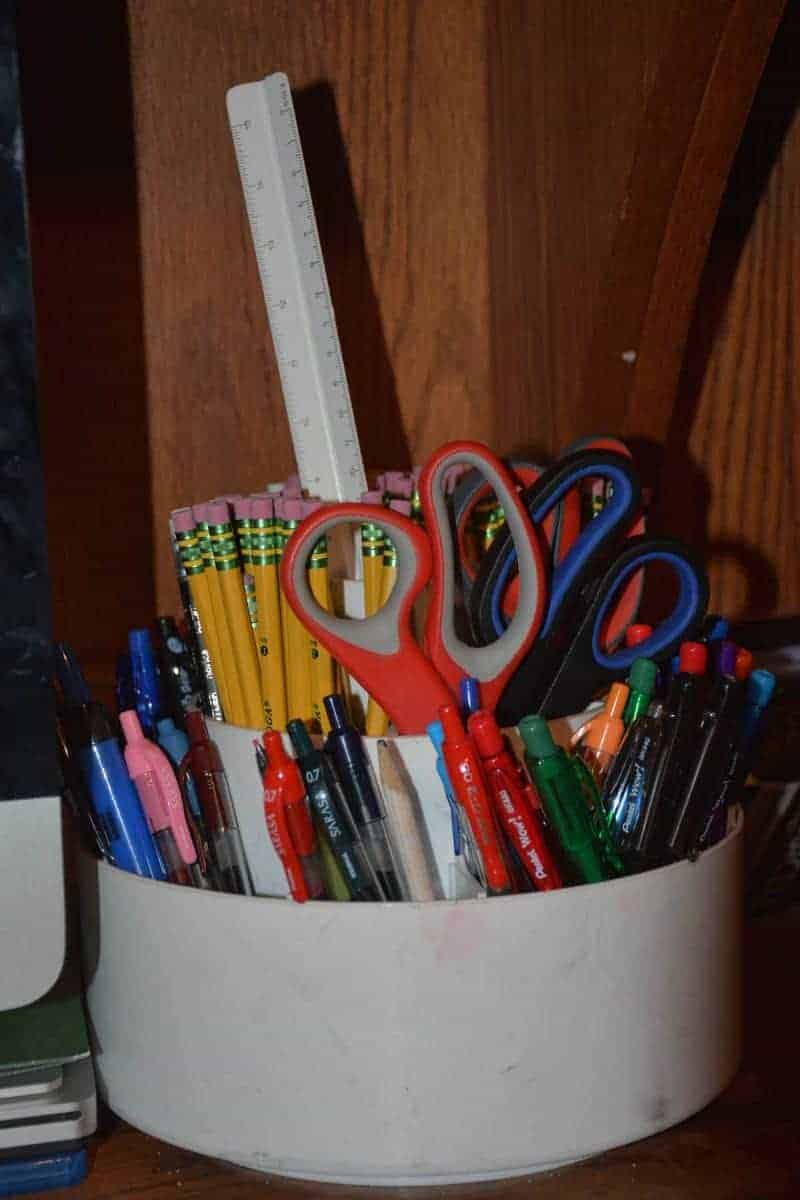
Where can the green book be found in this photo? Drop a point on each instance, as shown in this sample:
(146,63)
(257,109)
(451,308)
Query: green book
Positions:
(49,1032)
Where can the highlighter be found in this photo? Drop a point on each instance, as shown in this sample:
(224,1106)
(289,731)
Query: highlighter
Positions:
(146,689)
(563,800)
(604,733)
(154,780)
(466,777)
(203,763)
(333,819)
(514,801)
(289,822)
(362,794)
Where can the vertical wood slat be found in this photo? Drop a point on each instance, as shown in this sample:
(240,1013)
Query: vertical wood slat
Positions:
(405,251)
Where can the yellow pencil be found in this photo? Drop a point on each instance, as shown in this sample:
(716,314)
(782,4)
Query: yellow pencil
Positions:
(323,668)
(226,565)
(296,649)
(377,722)
(242,523)
(227,677)
(188,546)
(265,557)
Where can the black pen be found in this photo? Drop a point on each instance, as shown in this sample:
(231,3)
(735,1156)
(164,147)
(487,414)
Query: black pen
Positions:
(714,747)
(362,794)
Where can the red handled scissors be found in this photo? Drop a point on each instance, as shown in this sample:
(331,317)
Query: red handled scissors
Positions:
(380,651)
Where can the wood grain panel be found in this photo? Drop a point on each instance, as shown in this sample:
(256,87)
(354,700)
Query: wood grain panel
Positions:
(569,85)
(736,425)
(395,140)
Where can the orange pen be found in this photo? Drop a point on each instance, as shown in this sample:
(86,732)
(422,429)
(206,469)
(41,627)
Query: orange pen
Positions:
(466,776)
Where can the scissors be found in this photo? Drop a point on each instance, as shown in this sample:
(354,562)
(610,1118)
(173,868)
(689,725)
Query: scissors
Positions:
(570,659)
(560,527)
(380,651)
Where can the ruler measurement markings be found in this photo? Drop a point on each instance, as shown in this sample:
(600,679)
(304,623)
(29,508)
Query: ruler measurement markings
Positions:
(302,297)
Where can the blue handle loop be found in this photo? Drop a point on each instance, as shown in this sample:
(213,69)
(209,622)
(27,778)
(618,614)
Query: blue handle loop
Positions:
(690,602)
(605,529)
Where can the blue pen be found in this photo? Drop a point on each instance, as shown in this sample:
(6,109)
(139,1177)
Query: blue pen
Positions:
(470,695)
(146,689)
(117,806)
(43,1172)
(174,742)
(436,735)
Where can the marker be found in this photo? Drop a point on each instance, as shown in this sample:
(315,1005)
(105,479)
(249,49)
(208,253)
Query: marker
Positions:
(466,777)
(146,689)
(563,799)
(202,760)
(289,823)
(361,793)
(333,818)
(517,810)
(158,789)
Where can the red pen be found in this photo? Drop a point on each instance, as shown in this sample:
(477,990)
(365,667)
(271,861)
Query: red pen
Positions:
(288,820)
(515,800)
(466,776)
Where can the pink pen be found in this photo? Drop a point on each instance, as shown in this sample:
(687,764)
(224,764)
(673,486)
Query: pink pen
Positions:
(154,779)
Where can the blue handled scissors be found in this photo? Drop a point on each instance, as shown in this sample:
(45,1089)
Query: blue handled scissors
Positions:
(569,660)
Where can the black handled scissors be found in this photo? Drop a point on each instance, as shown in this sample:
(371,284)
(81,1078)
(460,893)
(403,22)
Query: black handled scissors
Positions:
(569,661)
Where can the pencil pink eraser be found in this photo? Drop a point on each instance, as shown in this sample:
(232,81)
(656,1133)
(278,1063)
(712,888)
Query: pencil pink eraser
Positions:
(262,508)
(311,506)
(401,506)
(372,498)
(293,509)
(182,520)
(292,489)
(242,508)
(218,513)
(399,483)
(200,512)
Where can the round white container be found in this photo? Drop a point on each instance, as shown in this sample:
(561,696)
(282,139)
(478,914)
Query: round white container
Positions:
(416,1043)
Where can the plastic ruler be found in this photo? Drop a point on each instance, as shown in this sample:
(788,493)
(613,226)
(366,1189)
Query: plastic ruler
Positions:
(295,285)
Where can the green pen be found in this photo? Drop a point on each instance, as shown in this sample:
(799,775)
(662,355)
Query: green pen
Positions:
(332,817)
(563,796)
(642,682)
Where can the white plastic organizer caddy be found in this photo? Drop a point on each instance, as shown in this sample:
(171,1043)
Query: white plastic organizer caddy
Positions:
(413,1043)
